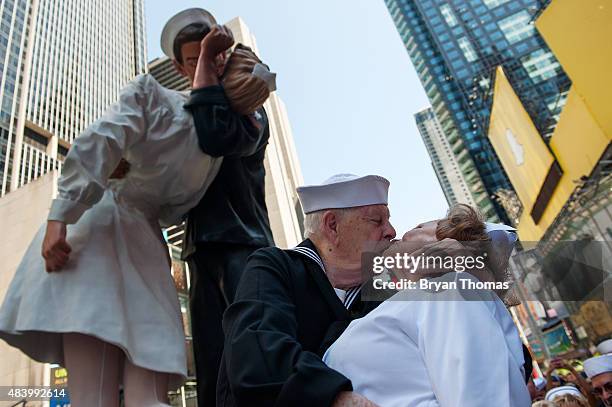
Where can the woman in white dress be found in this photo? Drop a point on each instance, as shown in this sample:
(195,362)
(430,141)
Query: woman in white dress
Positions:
(424,349)
(107,306)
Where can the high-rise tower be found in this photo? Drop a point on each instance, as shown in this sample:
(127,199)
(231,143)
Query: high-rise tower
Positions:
(64,64)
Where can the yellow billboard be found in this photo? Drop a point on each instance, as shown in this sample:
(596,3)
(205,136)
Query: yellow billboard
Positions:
(525,157)
(579,33)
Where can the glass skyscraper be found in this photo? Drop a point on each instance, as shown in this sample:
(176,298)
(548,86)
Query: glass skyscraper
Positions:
(13,37)
(62,63)
(455,46)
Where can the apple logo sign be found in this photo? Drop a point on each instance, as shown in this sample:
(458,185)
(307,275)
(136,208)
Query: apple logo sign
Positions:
(516,147)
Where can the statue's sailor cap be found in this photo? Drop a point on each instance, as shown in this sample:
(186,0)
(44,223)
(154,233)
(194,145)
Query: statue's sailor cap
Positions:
(598,365)
(344,191)
(180,21)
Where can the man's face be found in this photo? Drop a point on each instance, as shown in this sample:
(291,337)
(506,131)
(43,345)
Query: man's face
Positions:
(602,387)
(364,224)
(190,52)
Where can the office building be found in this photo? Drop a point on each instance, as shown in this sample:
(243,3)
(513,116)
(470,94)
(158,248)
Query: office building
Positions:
(453,184)
(64,64)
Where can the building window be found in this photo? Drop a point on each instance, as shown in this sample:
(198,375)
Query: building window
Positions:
(480,10)
(468,50)
(517,27)
(457,31)
(448,15)
(463,73)
(453,55)
(494,3)
(435,20)
(541,65)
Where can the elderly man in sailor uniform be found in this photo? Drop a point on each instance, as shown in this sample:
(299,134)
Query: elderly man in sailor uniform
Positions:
(288,300)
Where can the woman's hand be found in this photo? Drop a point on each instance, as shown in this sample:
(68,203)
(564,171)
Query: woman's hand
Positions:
(211,62)
(218,40)
(55,249)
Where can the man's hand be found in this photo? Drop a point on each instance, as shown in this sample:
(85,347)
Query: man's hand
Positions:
(122,170)
(218,40)
(351,399)
(55,249)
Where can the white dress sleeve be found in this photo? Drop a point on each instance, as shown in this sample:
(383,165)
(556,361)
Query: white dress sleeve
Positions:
(466,355)
(96,152)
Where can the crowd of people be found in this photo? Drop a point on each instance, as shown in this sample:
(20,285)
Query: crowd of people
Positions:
(576,383)
(271,326)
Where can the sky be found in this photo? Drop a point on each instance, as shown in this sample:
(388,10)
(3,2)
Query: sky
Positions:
(349,87)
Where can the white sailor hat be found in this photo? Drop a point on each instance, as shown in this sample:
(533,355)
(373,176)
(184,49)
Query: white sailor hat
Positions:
(562,390)
(178,22)
(605,347)
(344,191)
(598,365)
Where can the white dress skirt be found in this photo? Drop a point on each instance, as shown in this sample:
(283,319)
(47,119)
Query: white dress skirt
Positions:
(117,285)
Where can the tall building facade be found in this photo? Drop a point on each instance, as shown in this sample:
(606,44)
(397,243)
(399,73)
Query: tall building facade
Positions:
(454,186)
(455,46)
(65,63)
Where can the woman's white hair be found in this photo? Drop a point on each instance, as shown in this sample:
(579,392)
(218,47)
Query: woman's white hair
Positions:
(313,221)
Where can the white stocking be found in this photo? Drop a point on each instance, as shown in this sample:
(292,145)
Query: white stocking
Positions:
(143,387)
(93,371)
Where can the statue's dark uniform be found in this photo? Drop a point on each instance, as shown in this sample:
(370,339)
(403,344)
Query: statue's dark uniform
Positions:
(229,223)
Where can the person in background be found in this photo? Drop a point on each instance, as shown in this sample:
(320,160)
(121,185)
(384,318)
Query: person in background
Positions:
(571,400)
(566,396)
(599,370)
(572,378)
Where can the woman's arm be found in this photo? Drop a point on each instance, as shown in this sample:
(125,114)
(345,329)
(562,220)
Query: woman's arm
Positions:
(218,40)
(90,161)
